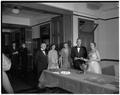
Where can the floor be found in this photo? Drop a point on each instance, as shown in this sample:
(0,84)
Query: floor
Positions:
(27,84)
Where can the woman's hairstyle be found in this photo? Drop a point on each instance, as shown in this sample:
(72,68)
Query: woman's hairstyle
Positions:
(52,45)
(65,43)
(93,43)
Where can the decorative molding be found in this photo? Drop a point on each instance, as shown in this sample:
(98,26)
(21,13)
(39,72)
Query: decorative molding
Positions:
(96,18)
(41,23)
(115,60)
(112,18)
(44,22)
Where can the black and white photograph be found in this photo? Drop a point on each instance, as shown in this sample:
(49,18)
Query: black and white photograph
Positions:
(60,47)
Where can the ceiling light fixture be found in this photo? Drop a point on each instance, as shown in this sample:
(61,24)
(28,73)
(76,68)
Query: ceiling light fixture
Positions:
(15,10)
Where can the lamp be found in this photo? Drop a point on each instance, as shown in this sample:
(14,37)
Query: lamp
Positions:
(15,10)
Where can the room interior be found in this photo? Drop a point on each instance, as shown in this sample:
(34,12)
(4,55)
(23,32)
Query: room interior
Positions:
(34,22)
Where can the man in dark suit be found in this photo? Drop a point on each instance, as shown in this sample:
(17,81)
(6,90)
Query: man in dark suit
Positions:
(78,53)
(41,60)
(14,55)
(23,59)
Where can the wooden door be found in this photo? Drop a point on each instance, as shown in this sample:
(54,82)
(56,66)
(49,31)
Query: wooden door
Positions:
(57,31)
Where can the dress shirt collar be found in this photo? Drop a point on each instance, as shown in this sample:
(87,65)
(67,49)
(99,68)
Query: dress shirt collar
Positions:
(42,49)
(78,49)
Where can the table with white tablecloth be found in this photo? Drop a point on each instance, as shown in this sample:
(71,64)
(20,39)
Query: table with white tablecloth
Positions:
(79,82)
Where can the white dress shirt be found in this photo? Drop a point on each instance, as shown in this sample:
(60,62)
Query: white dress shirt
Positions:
(78,49)
(43,51)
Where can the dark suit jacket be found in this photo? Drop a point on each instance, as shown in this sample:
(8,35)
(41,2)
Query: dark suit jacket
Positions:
(41,61)
(81,53)
(24,57)
(14,58)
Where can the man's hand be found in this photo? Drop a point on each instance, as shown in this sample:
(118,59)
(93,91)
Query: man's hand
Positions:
(15,52)
(83,59)
(76,58)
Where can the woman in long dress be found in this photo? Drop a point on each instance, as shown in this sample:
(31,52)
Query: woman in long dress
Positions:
(94,58)
(6,64)
(65,59)
(53,58)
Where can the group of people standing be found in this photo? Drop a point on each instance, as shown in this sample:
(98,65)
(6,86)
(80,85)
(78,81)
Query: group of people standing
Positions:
(61,59)
(76,57)
(18,58)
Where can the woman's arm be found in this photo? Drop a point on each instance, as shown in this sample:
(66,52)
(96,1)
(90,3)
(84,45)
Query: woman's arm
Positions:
(56,57)
(6,63)
(49,60)
(60,58)
(84,59)
(98,56)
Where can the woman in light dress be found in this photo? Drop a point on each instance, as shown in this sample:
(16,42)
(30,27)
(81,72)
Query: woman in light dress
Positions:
(94,58)
(65,59)
(6,64)
(53,58)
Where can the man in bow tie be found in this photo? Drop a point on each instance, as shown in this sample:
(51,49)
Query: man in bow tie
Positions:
(78,53)
(41,60)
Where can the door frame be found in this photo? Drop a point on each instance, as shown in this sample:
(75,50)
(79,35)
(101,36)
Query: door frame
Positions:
(87,33)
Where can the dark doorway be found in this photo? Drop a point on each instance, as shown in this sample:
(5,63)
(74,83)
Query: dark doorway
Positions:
(12,33)
(45,34)
(86,30)
(57,31)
